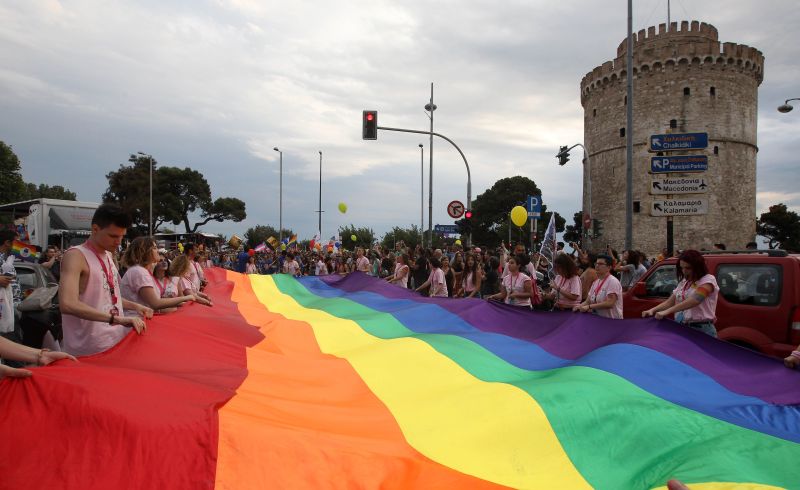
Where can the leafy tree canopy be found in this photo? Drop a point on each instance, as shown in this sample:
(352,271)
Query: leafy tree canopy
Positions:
(365,237)
(409,236)
(177,193)
(574,232)
(781,227)
(13,188)
(490,219)
(259,233)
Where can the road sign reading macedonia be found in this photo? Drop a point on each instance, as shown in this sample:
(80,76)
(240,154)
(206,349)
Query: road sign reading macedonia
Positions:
(679,185)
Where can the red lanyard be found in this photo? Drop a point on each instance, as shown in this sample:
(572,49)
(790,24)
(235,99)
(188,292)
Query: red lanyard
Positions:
(108,272)
(600,286)
(685,287)
(512,280)
(161,288)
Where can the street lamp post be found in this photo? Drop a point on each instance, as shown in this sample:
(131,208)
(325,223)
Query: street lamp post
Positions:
(280,196)
(320,195)
(421,194)
(786,107)
(430,107)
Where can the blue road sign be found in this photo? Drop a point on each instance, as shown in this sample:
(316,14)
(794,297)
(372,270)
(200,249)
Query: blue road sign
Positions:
(534,207)
(448,229)
(687,163)
(678,141)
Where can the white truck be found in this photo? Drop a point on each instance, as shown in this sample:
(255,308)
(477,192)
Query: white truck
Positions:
(52,221)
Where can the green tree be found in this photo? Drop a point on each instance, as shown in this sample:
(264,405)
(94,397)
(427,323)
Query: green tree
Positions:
(491,210)
(259,233)
(409,236)
(44,191)
(574,232)
(781,227)
(177,193)
(12,187)
(365,237)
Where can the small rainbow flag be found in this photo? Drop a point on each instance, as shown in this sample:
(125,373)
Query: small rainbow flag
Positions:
(351,382)
(292,241)
(25,251)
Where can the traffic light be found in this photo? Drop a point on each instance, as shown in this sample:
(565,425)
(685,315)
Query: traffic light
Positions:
(563,155)
(466,226)
(369,125)
(597,228)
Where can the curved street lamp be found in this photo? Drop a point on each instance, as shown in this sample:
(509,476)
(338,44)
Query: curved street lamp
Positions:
(786,107)
(280,196)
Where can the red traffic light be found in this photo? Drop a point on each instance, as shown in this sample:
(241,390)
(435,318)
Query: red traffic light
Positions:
(369,125)
(468,214)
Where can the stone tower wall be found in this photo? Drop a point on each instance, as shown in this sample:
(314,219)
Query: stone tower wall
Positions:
(723,80)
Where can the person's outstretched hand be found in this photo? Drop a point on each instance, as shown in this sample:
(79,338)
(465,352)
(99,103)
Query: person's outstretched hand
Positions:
(8,371)
(676,485)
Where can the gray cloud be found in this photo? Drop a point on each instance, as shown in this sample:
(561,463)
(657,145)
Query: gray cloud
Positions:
(215,85)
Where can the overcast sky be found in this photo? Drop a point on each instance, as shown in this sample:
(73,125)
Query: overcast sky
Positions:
(216,84)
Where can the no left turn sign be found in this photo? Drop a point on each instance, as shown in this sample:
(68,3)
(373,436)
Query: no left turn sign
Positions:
(455,209)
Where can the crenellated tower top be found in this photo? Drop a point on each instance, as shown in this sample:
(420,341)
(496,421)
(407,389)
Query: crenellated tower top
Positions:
(694,43)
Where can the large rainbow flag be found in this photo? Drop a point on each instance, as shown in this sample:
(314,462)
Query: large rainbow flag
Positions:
(349,382)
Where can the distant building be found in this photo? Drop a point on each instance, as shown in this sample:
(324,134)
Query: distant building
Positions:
(684,81)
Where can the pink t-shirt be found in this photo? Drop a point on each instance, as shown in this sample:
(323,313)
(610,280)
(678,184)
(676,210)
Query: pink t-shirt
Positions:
(136,278)
(572,286)
(195,275)
(706,310)
(515,283)
(362,264)
(599,291)
(291,267)
(467,283)
(438,286)
(401,275)
(86,337)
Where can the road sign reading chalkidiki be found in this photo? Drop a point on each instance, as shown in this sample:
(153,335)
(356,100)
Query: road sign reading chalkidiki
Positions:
(678,141)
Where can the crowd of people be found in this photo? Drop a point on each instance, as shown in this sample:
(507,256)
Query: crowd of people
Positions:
(103,293)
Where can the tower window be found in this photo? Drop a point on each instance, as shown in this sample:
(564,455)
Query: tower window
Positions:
(625,100)
(716,150)
(673,123)
(594,111)
(686,91)
(621,132)
(713,91)
(637,206)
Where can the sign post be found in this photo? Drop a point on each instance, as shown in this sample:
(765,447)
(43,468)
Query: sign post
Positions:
(534,213)
(455,209)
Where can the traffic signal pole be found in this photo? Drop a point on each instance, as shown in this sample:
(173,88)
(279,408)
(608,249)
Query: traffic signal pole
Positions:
(469,176)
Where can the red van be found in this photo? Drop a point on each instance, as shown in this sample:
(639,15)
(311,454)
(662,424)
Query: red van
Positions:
(759,297)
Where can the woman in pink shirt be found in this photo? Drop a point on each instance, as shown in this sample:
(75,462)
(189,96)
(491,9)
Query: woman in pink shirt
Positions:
(400,276)
(694,300)
(471,278)
(566,287)
(605,293)
(362,263)
(515,288)
(436,281)
(138,284)
(180,270)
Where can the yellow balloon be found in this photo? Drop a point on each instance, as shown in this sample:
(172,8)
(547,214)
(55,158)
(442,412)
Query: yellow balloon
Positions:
(353,237)
(458,242)
(342,207)
(519,215)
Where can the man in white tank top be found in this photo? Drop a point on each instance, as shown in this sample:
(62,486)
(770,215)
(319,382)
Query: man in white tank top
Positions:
(89,292)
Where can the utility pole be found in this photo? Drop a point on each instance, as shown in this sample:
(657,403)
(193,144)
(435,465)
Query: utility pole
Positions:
(629,134)
(320,196)
(430,107)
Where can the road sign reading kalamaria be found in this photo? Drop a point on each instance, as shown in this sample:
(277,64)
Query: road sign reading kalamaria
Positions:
(679,207)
